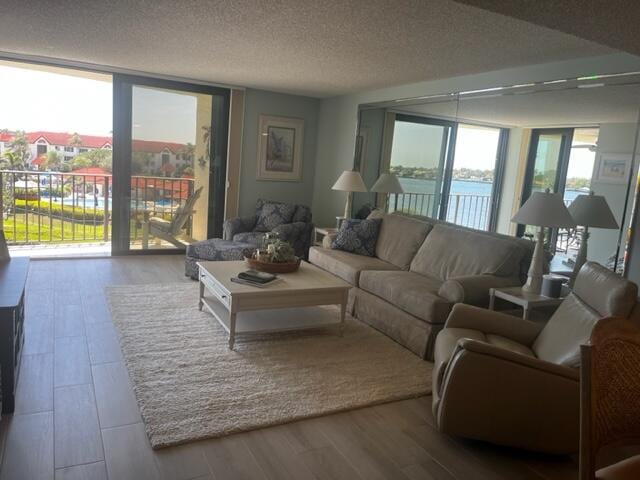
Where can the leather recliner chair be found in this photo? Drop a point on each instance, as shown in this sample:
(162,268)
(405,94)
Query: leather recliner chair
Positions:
(513,382)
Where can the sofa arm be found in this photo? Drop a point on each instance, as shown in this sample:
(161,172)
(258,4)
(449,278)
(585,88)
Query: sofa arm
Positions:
(491,322)
(509,399)
(237,225)
(474,289)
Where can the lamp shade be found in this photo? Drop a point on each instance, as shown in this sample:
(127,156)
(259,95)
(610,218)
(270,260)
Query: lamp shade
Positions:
(387,183)
(544,209)
(592,211)
(350,181)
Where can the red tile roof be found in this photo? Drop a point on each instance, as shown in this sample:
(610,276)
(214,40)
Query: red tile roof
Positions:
(40,160)
(93,174)
(152,146)
(63,138)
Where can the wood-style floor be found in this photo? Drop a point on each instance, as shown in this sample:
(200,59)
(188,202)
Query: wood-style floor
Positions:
(77,417)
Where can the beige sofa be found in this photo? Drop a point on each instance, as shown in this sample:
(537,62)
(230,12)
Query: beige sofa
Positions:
(421,269)
(522,376)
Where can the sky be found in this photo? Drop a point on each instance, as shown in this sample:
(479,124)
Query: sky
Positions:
(34,100)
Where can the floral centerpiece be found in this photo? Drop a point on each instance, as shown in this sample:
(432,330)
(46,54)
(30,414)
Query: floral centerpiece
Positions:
(275,256)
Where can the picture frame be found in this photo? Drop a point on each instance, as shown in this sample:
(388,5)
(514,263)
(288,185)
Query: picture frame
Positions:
(280,141)
(613,168)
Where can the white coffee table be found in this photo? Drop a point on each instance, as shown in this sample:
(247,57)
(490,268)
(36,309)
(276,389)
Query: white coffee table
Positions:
(287,304)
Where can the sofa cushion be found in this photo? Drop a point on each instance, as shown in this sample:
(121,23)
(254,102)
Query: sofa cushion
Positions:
(413,293)
(346,265)
(358,236)
(272,214)
(570,326)
(454,252)
(400,238)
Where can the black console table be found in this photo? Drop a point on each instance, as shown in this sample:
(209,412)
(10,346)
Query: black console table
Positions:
(13,277)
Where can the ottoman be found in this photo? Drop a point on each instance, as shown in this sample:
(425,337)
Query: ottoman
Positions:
(213,250)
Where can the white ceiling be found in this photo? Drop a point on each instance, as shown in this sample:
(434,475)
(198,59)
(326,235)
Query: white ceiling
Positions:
(615,23)
(316,48)
(574,107)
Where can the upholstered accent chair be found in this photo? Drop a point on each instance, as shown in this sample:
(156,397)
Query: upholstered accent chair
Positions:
(291,222)
(610,399)
(513,382)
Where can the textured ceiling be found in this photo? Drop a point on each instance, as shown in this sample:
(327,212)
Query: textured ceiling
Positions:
(615,23)
(316,48)
(581,106)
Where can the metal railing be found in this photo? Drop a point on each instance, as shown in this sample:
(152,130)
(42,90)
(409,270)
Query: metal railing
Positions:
(57,207)
(467,210)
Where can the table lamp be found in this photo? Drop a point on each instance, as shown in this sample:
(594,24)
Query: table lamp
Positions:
(350,181)
(590,211)
(542,209)
(387,183)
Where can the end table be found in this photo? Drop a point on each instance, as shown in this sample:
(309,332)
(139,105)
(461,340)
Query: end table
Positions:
(525,300)
(321,232)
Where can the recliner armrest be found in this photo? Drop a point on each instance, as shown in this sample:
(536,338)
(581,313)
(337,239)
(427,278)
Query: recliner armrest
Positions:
(509,356)
(492,322)
(474,289)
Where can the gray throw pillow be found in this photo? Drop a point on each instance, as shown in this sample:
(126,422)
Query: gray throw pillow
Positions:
(273,214)
(358,236)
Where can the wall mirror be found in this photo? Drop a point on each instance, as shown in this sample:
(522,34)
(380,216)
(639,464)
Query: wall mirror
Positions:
(473,158)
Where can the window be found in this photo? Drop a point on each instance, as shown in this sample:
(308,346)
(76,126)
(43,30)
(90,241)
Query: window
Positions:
(83,150)
(166,158)
(41,148)
(448,170)
(69,149)
(67,158)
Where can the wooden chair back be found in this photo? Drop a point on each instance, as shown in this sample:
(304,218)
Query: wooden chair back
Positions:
(183,212)
(609,390)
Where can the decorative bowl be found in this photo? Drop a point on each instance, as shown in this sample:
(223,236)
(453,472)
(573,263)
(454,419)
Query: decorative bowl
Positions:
(273,267)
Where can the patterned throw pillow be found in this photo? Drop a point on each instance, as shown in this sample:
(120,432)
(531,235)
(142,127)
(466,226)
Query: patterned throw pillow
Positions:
(358,236)
(273,214)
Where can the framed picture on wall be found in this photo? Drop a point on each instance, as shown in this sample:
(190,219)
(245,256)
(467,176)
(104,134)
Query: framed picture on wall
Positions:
(613,168)
(280,148)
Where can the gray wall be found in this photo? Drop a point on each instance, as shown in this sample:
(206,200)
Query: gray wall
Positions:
(338,115)
(258,102)
(615,138)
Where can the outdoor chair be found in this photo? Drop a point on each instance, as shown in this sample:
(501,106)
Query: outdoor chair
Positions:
(167,230)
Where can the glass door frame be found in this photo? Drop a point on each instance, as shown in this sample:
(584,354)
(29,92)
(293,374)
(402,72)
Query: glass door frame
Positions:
(122,142)
(561,173)
(447,152)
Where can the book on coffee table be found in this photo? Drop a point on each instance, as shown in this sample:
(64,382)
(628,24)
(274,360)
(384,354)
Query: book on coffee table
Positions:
(257,276)
(244,281)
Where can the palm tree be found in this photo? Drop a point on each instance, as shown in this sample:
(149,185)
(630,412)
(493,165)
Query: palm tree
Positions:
(12,160)
(19,150)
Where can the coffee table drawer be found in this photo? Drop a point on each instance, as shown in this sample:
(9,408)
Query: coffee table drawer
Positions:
(214,288)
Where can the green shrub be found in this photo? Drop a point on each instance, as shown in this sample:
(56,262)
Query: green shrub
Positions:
(46,207)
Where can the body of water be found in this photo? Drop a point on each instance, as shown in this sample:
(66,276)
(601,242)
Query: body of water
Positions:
(469,202)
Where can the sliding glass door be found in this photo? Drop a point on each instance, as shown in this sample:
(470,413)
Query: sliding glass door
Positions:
(170,142)
(418,157)
(448,170)
(547,164)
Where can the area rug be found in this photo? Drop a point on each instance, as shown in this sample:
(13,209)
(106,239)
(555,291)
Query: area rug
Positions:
(189,386)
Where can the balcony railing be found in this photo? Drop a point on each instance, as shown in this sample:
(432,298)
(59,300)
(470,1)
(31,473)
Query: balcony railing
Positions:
(56,207)
(467,210)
